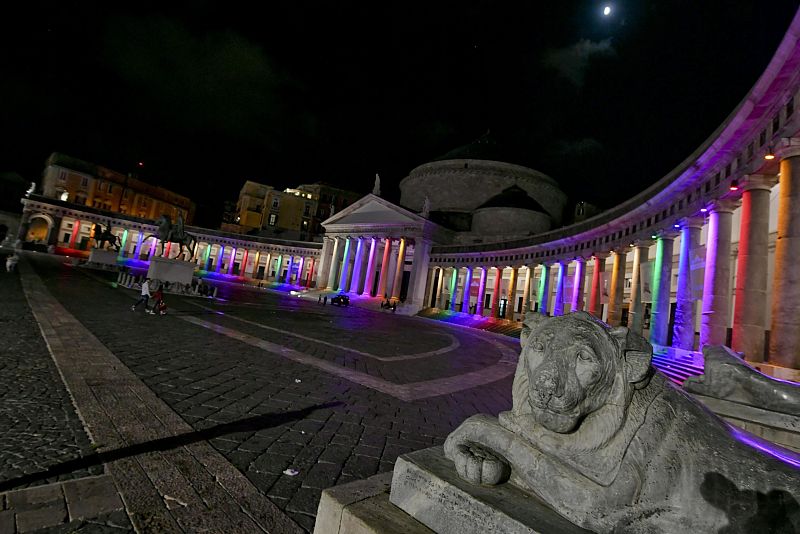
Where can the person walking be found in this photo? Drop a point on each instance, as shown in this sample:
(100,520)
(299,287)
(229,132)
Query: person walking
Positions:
(158,298)
(145,295)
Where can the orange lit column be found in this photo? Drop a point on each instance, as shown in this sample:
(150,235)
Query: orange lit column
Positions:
(512,293)
(596,295)
(383,280)
(401,264)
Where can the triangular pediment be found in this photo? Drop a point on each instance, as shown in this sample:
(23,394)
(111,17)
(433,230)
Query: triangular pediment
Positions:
(373,210)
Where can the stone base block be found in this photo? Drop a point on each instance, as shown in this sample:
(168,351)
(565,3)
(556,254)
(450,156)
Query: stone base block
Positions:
(170,270)
(775,371)
(425,486)
(103,257)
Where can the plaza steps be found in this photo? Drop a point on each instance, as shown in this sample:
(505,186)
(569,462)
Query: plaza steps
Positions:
(676,365)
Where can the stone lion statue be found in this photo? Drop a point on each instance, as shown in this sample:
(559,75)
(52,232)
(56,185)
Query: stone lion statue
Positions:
(613,446)
(727,376)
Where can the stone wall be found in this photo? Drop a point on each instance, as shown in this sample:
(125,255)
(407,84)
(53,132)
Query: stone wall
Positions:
(509,222)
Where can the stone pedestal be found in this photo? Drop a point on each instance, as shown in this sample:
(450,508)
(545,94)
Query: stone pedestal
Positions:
(171,271)
(103,257)
(427,496)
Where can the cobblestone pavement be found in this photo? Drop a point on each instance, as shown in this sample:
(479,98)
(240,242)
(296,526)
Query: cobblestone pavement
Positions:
(38,423)
(275,354)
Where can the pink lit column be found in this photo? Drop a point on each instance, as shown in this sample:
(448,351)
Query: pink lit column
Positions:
(596,295)
(636,308)
(401,264)
(384,276)
(717,279)
(578,285)
(784,339)
(358,267)
(369,281)
(617,289)
(481,292)
(300,265)
(498,279)
(685,318)
(467,284)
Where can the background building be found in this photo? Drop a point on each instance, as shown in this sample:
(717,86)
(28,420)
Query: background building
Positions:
(80,182)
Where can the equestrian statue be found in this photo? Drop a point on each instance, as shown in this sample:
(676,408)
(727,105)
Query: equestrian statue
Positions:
(174,233)
(103,237)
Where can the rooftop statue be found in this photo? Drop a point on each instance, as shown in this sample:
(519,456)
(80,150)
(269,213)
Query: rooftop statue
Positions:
(613,446)
(376,189)
(426,208)
(727,376)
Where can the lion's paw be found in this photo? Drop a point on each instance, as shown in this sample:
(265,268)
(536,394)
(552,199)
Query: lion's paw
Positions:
(476,465)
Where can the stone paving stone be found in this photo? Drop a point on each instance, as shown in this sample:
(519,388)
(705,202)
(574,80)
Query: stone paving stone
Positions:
(88,498)
(190,367)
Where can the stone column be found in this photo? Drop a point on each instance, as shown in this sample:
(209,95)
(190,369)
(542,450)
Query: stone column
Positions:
(383,280)
(683,331)
(596,296)
(369,281)
(453,289)
(544,289)
(256,261)
(310,273)
(784,339)
(358,260)
(498,280)
(617,289)
(419,267)
(346,257)
(76,229)
(267,265)
(636,308)
(481,292)
(526,297)
(138,250)
(717,279)
(401,264)
(123,242)
(333,269)
(512,293)
(467,284)
(750,305)
(438,296)
(300,264)
(662,277)
(289,265)
(561,277)
(220,256)
(324,263)
(278,267)
(578,285)
(25,224)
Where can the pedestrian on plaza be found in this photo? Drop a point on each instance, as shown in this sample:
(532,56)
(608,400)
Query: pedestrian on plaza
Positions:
(319,299)
(11,263)
(145,295)
(158,301)
(325,301)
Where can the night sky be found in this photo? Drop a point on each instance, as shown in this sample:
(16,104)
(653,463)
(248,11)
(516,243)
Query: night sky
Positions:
(210,94)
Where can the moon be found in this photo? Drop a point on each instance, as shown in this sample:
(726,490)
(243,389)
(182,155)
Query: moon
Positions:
(607,11)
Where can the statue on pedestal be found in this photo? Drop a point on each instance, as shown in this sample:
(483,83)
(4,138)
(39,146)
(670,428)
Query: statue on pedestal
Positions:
(104,238)
(613,446)
(169,233)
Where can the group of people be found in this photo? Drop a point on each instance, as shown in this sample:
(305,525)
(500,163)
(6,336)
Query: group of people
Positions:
(159,306)
(389,305)
(323,299)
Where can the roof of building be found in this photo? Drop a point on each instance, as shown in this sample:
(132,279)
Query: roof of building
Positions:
(513,197)
(487,148)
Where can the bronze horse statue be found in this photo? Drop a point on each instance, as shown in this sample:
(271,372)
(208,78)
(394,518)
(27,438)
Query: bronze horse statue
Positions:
(104,237)
(169,233)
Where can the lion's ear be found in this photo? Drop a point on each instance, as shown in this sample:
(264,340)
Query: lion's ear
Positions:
(531,321)
(636,354)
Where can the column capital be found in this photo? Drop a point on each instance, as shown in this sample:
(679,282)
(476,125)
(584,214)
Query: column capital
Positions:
(622,249)
(667,233)
(642,243)
(758,181)
(691,222)
(788,147)
(601,255)
(724,205)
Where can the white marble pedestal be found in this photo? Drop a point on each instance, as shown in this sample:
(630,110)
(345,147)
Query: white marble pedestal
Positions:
(173,271)
(103,257)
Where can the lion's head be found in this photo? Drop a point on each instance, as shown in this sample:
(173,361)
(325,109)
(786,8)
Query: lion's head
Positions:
(573,365)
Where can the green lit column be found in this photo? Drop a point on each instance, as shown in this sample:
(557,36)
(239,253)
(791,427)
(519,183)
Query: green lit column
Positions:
(662,278)
(453,288)
(123,243)
(544,289)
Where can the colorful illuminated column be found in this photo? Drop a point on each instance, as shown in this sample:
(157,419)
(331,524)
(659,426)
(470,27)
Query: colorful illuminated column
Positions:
(465,297)
(544,289)
(220,258)
(207,256)
(383,280)
(232,260)
(138,250)
(324,263)
(561,277)
(636,309)
(498,280)
(76,228)
(278,267)
(299,278)
(526,292)
(685,317)
(662,276)
(481,292)
(355,282)
(420,262)
(401,265)
(167,249)
(153,245)
(256,261)
(345,264)
(289,266)
(439,295)
(576,303)
(750,308)
(596,295)
(369,281)
(717,280)
(123,243)
(310,273)
(453,288)
(512,293)
(243,265)
(334,266)
(617,288)
(784,339)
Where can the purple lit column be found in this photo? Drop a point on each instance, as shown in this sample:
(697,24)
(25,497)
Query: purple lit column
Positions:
(578,283)
(467,284)
(232,260)
(138,250)
(685,318)
(636,309)
(369,281)
(481,292)
(784,339)
(717,279)
(561,276)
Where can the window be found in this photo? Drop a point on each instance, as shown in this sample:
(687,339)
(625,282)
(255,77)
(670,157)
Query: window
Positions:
(273,219)
(762,138)
(750,149)
(307,210)
(62,176)
(790,107)
(275,202)
(84,182)
(776,123)
(110,187)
